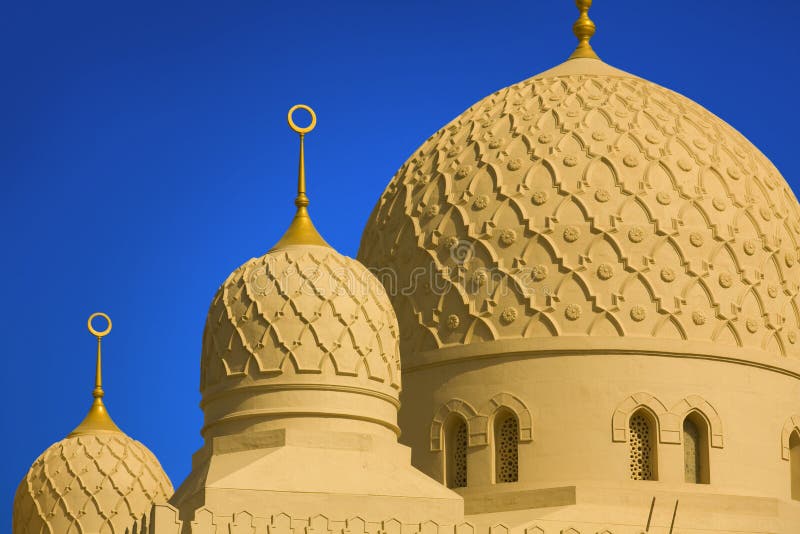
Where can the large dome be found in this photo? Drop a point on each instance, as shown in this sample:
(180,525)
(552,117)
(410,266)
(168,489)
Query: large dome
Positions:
(586,201)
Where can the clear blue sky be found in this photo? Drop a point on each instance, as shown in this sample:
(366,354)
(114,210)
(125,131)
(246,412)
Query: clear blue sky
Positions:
(144,155)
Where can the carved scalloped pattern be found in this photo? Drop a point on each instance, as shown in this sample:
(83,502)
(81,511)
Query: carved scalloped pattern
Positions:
(634,211)
(90,483)
(293,311)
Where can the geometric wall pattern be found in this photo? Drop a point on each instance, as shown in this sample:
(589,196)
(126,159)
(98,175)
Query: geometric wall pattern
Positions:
(165,517)
(589,205)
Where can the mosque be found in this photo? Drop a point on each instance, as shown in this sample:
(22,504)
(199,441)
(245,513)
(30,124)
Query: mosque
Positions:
(574,310)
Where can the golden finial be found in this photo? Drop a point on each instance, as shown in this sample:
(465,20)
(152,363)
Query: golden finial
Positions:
(97,419)
(301,231)
(583,28)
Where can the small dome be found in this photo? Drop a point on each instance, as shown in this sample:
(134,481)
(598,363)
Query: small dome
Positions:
(94,482)
(586,201)
(297,331)
(97,479)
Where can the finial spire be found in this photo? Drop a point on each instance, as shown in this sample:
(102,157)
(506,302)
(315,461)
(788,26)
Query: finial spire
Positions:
(583,28)
(97,419)
(301,231)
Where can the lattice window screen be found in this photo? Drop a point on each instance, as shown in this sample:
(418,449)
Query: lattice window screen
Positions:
(458,456)
(506,442)
(641,451)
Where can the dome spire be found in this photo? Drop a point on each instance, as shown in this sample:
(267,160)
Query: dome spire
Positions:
(583,28)
(97,419)
(301,231)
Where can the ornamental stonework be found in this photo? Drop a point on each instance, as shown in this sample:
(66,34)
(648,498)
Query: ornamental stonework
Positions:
(615,171)
(296,310)
(90,483)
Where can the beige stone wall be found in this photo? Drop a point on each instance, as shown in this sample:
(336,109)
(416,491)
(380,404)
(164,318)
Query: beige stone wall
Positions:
(579,406)
(763,516)
(574,405)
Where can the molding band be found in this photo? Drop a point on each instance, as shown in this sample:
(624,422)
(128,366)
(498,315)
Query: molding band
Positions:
(266,388)
(280,413)
(590,346)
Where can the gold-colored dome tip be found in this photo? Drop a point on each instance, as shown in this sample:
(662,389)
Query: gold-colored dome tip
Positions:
(583,28)
(301,231)
(98,419)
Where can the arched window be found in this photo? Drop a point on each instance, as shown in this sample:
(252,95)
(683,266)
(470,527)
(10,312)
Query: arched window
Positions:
(794,463)
(506,447)
(642,430)
(455,452)
(695,449)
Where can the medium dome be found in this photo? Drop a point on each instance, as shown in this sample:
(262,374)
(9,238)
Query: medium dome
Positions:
(586,201)
(300,317)
(301,332)
(300,378)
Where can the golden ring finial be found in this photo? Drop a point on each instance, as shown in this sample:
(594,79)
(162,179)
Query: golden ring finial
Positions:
(97,420)
(96,333)
(301,231)
(295,127)
(583,28)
